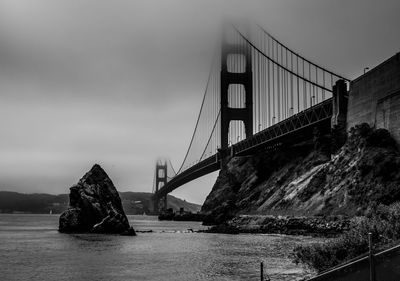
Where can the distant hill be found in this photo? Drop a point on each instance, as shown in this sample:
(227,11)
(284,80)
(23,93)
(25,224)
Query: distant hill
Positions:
(32,203)
(134,203)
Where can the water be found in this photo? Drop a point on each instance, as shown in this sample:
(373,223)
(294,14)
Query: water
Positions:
(32,249)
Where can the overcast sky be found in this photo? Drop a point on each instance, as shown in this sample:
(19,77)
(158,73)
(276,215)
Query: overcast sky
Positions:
(120,83)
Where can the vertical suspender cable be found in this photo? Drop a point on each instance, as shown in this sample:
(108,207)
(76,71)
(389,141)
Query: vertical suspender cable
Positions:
(279,86)
(298,89)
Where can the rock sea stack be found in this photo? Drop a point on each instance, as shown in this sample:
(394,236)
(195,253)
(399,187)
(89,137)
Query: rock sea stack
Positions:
(95,206)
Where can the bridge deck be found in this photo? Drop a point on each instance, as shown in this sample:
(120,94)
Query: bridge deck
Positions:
(316,116)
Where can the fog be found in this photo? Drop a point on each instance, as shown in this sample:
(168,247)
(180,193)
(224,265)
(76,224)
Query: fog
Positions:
(120,83)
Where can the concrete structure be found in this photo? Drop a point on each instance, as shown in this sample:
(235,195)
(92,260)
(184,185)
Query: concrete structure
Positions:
(340,97)
(339,103)
(374,98)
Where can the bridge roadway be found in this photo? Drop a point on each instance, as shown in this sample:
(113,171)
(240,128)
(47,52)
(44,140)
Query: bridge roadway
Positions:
(295,128)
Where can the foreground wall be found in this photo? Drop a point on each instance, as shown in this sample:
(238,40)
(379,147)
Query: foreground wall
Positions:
(374,98)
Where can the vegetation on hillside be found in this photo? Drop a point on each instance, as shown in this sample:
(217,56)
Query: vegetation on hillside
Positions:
(32,203)
(382,221)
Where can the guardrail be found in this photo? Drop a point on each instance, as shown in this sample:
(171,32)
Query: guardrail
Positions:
(382,266)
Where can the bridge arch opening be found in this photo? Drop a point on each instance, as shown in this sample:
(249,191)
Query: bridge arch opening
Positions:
(161,173)
(236,132)
(236,96)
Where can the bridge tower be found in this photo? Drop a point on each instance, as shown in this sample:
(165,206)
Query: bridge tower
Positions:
(161,179)
(228,78)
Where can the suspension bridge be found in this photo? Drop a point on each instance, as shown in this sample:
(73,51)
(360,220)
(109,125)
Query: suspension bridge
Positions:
(259,95)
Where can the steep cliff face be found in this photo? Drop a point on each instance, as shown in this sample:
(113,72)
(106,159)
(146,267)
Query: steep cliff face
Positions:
(305,180)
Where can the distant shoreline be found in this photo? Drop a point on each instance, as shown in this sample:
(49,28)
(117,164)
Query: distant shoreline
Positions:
(134,203)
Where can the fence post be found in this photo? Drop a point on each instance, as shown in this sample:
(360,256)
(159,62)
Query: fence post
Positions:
(371,259)
(262,271)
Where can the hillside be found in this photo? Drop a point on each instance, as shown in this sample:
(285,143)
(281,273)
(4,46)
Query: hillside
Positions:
(306,180)
(134,203)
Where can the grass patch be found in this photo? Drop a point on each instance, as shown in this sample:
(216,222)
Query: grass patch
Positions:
(382,221)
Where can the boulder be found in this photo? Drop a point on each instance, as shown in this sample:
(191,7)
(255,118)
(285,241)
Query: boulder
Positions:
(95,206)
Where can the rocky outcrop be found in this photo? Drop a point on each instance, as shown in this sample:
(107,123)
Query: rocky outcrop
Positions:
(95,206)
(261,184)
(305,180)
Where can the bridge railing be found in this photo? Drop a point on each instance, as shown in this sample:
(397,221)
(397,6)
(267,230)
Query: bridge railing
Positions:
(311,116)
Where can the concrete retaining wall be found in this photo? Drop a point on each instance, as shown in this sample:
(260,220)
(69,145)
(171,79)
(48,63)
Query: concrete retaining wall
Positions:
(374,98)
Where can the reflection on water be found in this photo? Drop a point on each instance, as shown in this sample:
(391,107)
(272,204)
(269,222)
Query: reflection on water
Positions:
(31,248)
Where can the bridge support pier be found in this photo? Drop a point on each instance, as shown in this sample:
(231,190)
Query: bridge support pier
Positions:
(340,99)
(224,155)
(159,204)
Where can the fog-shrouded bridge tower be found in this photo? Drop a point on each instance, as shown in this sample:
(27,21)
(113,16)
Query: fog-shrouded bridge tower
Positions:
(160,180)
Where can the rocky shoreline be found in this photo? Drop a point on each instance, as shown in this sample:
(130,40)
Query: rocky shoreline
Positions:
(314,226)
(180,217)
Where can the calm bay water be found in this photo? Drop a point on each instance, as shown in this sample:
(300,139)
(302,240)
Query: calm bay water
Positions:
(32,249)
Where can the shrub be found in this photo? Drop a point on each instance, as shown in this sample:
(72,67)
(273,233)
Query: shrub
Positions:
(384,224)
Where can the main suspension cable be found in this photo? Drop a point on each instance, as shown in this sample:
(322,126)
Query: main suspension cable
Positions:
(198,117)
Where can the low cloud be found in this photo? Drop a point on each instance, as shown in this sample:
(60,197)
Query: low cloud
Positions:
(120,83)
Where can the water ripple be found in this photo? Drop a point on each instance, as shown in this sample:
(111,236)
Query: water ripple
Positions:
(32,249)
